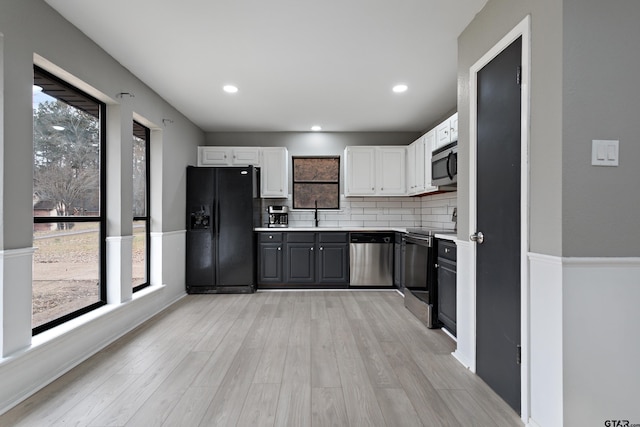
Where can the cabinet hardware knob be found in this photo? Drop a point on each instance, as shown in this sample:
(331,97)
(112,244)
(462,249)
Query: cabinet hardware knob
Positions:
(311,248)
(321,248)
(271,237)
(279,248)
(446,250)
(436,266)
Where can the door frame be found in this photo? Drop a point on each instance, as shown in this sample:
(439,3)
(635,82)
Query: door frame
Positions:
(523,29)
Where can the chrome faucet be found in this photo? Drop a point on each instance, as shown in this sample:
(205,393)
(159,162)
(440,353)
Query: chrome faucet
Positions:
(315,216)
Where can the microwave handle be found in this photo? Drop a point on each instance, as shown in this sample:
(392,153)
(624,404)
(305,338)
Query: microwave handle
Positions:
(449,165)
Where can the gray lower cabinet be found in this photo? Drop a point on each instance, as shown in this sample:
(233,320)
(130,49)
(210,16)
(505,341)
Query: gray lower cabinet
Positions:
(300,259)
(446,276)
(270,256)
(333,258)
(303,259)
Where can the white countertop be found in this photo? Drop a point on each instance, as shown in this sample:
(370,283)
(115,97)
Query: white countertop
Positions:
(444,235)
(277,229)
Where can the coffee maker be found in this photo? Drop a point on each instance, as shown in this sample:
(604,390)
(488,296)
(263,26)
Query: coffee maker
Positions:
(278,216)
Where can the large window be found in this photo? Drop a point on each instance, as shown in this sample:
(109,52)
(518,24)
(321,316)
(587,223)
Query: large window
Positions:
(68,202)
(141,236)
(316,182)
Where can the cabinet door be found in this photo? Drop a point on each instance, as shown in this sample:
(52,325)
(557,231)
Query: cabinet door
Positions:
(453,124)
(443,134)
(447,294)
(411,169)
(245,156)
(419,168)
(429,146)
(300,263)
(360,171)
(390,171)
(333,263)
(214,156)
(270,263)
(274,174)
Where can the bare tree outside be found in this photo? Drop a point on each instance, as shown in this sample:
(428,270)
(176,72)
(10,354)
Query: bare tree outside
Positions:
(66,158)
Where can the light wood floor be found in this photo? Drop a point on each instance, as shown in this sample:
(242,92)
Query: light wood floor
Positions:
(272,359)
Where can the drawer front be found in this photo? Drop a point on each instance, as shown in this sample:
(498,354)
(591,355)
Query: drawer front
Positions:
(270,237)
(447,250)
(299,237)
(326,237)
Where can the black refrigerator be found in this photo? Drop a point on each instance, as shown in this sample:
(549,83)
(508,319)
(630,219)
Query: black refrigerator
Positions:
(223,207)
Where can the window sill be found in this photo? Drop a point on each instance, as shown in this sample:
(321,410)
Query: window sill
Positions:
(89,317)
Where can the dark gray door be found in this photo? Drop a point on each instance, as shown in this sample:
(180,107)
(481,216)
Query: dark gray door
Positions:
(498,210)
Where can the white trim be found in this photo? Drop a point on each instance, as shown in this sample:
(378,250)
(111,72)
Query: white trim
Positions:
(523,29)
(16,267)
(598,262)
(118,239)
(167,233)
(16,253)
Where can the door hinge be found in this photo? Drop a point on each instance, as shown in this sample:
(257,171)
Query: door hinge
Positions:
(519,75)
(519,355)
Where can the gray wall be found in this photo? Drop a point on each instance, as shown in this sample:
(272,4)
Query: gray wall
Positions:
(490,25)
(601,100)
(31,26)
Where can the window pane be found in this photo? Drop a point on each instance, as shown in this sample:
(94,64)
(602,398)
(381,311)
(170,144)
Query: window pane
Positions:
(139,177)
(66,269)
(139,253)
(306,194)
(66,174)
(316,169)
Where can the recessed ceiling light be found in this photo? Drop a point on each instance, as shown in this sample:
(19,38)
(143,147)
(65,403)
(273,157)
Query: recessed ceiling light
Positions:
(400,88)
(56,127)
(316,128)
(230,88)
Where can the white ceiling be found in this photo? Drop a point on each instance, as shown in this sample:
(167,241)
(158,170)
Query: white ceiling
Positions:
(296,62)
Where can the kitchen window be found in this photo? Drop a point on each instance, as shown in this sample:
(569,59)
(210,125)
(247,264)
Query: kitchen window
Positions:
(316,182)
(141,232)
(69,225)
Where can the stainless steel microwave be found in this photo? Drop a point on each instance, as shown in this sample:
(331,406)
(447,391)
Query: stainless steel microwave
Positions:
(444,166)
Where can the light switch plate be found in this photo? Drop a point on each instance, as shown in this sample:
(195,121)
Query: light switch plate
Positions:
(604,152)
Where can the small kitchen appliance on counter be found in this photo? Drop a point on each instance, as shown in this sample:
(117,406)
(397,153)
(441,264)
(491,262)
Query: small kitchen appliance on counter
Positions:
(278,216)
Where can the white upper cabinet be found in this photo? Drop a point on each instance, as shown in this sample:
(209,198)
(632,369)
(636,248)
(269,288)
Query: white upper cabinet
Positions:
(415,167)
(214,156)
(245,156)
(453,122)
(274,173)
(228,156)
(360,178)
(447,131)
(429,146)
(375,171)
(411,168)
(390,171)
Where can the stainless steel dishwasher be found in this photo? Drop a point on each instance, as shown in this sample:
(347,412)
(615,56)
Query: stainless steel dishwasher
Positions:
(371,259)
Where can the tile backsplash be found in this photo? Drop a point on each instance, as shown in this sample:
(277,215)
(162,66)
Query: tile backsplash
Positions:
(428,211)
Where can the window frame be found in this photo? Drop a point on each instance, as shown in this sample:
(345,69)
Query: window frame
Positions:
(101,219)
(147,217)
(294,182)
